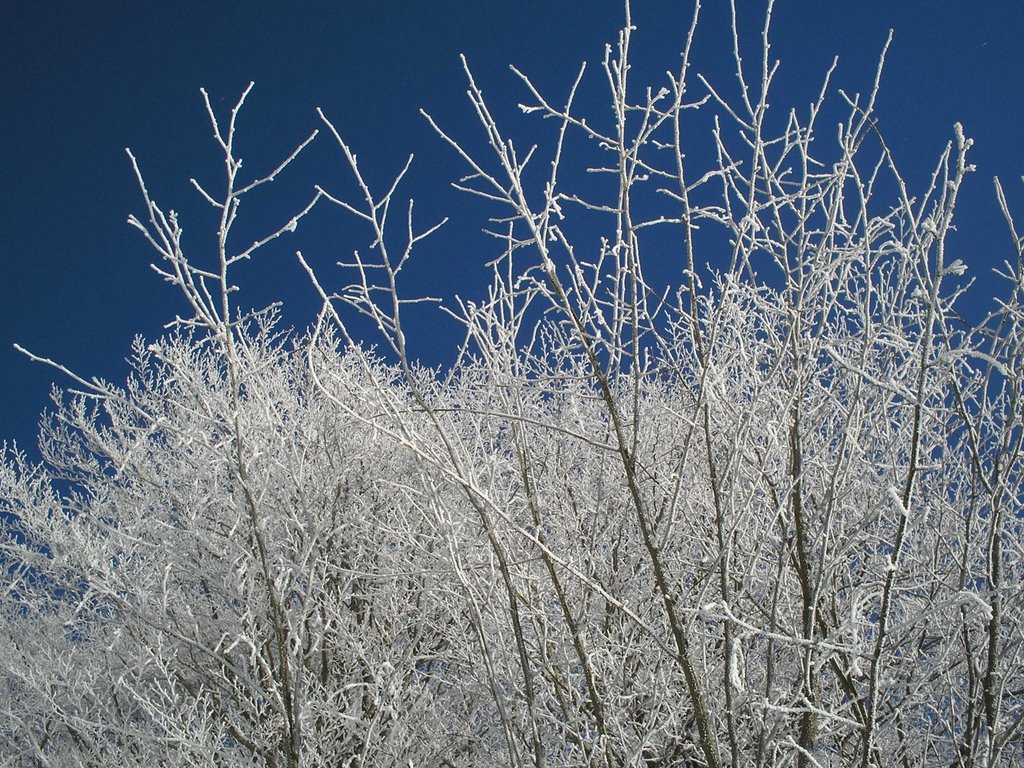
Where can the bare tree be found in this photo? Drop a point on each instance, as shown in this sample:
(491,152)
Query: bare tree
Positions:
(717,477)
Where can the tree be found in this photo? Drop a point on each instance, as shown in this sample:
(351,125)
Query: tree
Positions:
(755,503)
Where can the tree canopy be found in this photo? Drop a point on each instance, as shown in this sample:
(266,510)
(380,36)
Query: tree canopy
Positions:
(719,475)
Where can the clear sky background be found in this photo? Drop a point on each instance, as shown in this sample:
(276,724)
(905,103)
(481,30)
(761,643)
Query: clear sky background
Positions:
(79,82)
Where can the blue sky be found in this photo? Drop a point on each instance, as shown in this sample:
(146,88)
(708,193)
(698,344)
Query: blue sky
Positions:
(82,81)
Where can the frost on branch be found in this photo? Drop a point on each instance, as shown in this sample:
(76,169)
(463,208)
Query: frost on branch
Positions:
(754,503)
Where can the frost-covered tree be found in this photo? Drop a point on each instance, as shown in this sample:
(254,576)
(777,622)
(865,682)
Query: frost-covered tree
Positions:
(717,477)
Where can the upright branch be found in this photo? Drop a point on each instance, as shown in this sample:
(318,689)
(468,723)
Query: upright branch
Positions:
(208,290)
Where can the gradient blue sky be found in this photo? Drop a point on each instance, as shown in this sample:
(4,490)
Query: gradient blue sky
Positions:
(82,81)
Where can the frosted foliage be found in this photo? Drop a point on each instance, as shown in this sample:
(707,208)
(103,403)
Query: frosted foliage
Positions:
(718,476)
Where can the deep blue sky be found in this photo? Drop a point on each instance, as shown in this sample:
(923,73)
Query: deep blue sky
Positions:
(81,81)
